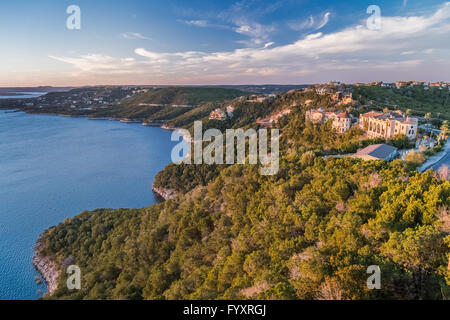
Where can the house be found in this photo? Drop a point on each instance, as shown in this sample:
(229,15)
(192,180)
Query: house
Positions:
(336,97)
(341,121)
(268,122)
(256,98)
(436,84)
(377,152)
(347,98)
(218,114)
(388,125)
(400,84)
(230,110)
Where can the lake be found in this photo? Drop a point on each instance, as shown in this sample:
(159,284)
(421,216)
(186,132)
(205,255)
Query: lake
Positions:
(22,95)
(52,168)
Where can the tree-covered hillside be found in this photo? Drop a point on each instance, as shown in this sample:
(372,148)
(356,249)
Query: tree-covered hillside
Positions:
(419,101)
(183,96)
(163,104)
(308,233)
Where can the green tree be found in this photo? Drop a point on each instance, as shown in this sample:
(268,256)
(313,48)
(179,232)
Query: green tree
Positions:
(428,118)
(416,158)
(419,251)
(400,141)
(445,128)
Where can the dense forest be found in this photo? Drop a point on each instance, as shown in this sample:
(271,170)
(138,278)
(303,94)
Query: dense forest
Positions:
(183,96)
(309,232)
(420,101)
(163,104)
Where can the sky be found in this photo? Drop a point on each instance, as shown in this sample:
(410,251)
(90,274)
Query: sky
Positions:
(197,42)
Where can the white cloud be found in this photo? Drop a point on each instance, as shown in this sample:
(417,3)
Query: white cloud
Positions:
(310,23)
(324,21)
(197,23)
(352,52)
(257,33)
(306,24)
(133,36)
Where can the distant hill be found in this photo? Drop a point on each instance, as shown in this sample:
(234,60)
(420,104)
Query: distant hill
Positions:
(161,104)
(266,89)
(33,89)
(183,96)
(420,101)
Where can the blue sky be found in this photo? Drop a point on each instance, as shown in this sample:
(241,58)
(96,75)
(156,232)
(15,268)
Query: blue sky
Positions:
(222,42)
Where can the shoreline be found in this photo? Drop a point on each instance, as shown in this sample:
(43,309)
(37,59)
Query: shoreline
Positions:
(47,269)
(45,266)
(144,123)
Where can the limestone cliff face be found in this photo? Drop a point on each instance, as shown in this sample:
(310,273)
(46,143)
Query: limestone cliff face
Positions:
(48,270)
(166,194)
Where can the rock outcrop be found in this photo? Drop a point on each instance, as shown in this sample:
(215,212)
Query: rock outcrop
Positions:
(48,270)
(166,194)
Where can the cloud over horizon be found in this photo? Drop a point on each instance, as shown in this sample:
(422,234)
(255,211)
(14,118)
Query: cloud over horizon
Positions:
(403,43)
(133,36)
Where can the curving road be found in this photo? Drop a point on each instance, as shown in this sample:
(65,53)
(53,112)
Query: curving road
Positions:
(444,161)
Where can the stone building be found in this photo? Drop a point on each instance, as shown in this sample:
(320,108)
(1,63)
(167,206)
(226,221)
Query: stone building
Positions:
(388,125)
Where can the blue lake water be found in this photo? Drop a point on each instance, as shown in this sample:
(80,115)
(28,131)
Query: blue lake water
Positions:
(53,167)
(23,95)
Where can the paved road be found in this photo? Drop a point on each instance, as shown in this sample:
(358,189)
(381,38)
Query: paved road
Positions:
(444,161)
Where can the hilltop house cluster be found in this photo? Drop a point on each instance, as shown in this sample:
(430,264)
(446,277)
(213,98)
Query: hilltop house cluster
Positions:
(334,86)
(404,84)
(340,93)
(375,124)
(90,98)
(222,115)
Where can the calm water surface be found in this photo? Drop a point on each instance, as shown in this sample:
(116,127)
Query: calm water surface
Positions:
(53,167)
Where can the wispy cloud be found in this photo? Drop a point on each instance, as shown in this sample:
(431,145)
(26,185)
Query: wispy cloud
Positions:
(311,22)
(133,36)
(324,21)
(197,23)
(242,17)
(257,33)
(354,50)
(301,25)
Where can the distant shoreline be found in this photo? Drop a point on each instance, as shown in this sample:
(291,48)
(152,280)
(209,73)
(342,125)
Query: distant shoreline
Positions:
(12,94)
